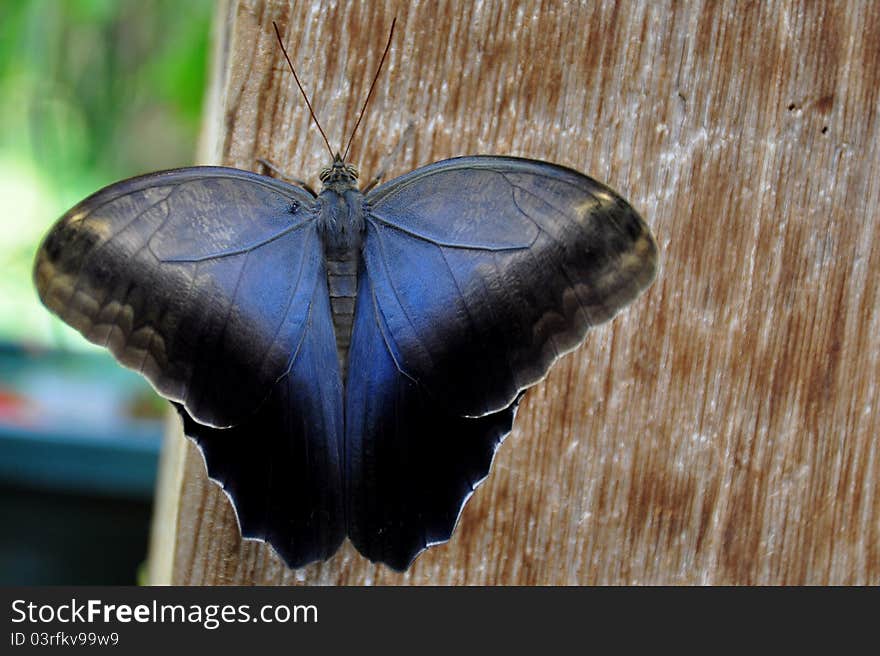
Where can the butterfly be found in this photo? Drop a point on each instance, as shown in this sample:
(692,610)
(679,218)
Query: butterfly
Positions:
(347,362)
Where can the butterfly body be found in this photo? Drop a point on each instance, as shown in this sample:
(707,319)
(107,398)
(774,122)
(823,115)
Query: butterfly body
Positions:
(340,211)
(347,363)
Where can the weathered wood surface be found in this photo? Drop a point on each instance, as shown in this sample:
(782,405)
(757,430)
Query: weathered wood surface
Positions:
(723,429)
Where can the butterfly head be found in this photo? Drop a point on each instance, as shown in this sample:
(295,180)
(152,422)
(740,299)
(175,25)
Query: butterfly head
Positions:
(339,175)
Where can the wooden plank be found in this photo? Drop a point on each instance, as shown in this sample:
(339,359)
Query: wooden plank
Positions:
(722,430)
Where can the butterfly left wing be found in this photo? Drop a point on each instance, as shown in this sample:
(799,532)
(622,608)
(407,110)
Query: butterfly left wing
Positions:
(480,272)
(194,277)
(211,282)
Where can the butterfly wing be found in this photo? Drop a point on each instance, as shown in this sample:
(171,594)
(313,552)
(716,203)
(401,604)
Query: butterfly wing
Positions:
(211,283)
(282,465)
(499,265)
(482,271)
(410,463)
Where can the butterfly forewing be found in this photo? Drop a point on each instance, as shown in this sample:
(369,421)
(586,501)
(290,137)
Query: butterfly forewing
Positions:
(478,312)
(199,278)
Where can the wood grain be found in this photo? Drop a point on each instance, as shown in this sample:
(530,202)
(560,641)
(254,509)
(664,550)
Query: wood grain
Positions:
(720,431)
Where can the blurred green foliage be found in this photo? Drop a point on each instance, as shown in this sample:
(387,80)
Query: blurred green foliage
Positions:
(91,91)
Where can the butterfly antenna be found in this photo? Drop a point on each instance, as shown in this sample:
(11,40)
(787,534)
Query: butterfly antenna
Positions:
(370,94)
(301,90)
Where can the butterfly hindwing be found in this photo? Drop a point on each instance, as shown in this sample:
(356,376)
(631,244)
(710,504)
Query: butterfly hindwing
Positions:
(282,467)
(410,463)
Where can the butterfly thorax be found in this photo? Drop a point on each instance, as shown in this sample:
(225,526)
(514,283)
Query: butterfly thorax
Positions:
(341,225)
(341,209)
(341,220)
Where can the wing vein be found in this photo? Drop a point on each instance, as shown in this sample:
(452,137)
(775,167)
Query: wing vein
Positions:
(228,312)
(377,310)
(397,297)
(302,339)
(239,251)
(469,247)
(290,298)
(574,286)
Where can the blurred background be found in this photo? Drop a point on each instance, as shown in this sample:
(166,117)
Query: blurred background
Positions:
(91,92)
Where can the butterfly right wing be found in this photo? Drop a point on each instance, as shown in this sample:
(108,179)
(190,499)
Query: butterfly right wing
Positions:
(410,463)
(211,283)
(488,269)
(479,272)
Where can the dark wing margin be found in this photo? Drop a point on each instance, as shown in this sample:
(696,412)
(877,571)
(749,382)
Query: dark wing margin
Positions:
(198,278)
(487,269)
(410,465)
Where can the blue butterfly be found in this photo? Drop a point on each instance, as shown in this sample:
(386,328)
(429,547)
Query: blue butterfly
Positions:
(348,362)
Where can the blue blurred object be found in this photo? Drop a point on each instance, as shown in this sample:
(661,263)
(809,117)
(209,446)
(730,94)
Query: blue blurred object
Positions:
(79,445)
(77,422)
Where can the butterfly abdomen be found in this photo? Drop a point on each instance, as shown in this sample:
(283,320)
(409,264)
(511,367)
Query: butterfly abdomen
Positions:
(341,224)
(342,284)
